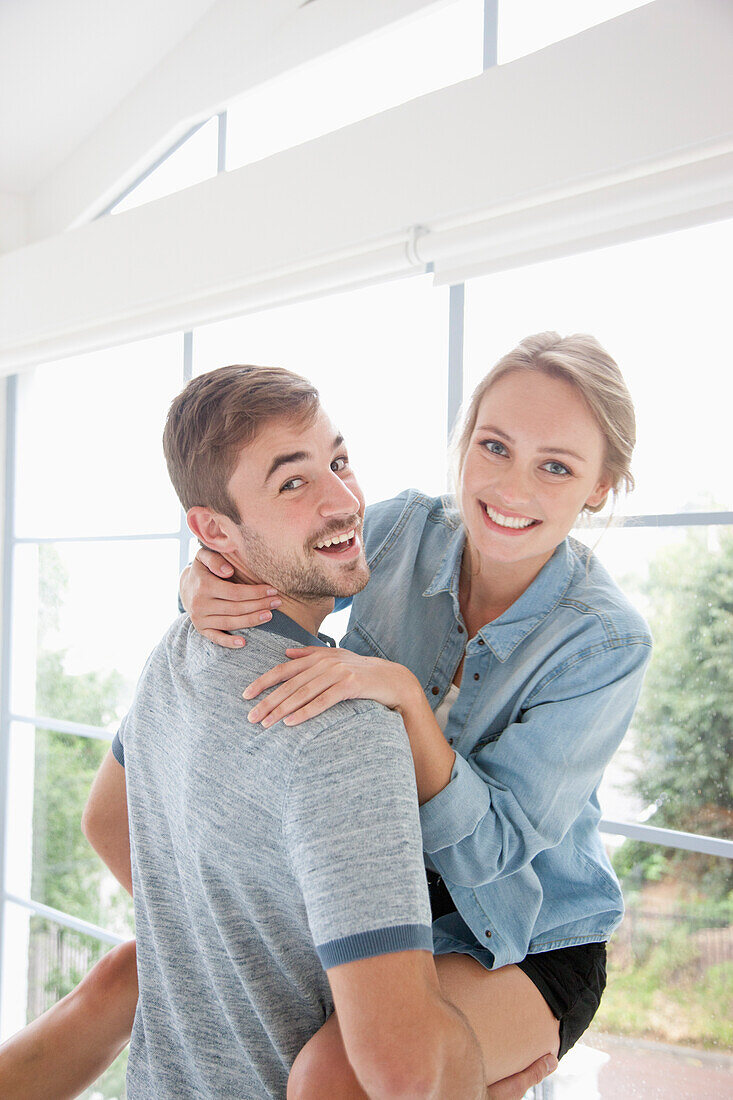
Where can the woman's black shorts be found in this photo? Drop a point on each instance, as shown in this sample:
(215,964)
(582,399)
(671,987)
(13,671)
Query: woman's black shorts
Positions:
(571,979)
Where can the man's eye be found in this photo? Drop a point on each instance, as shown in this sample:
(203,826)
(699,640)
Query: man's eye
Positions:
(494,446)
(294,483)
(339,464)
(556,468)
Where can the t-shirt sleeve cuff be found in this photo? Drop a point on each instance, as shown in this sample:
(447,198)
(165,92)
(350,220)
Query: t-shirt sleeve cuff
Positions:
(455,812)
(380,941)
(118,750)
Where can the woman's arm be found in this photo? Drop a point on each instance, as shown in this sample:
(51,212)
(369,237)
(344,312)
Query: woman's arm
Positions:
(516,796)
(315,678)
(519,794)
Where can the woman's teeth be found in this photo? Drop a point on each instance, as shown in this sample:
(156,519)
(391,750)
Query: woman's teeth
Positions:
(507,521)
(347,536)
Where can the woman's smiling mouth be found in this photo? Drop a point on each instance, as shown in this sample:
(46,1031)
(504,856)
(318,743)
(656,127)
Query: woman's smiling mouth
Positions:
(507,523)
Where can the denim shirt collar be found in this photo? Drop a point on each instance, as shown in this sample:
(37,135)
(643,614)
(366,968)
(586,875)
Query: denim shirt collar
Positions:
(504,634)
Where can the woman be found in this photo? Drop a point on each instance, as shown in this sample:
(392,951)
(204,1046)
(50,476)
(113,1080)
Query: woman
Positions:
(516,664)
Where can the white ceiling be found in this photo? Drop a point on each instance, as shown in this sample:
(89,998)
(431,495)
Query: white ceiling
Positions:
(66,64)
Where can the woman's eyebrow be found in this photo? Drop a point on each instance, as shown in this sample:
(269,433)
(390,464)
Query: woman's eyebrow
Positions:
(562,451)
(545,450)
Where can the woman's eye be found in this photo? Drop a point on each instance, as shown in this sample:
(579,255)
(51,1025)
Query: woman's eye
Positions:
(556,468)
(339,464)
(494,446)
(294,483)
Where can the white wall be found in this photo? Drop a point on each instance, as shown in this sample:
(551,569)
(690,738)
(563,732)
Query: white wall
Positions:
(13,221)
(624,130)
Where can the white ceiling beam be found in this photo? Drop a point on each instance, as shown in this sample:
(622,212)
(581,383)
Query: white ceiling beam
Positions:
(589,141)
(237,45)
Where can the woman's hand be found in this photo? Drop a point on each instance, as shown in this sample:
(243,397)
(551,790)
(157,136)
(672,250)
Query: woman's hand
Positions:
(217,605)
(314,678)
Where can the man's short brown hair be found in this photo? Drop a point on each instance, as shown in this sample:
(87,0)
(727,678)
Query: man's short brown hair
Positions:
(216,415)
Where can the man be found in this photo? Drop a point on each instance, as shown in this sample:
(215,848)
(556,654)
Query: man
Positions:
(277,873)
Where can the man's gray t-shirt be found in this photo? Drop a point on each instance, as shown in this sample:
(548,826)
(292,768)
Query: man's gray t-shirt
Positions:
(260,857)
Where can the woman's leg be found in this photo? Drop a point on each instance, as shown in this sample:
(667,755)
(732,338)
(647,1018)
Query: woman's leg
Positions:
(69,1046)
(508,1014)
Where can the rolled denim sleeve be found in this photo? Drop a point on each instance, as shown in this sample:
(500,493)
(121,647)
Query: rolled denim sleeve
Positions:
(519,794)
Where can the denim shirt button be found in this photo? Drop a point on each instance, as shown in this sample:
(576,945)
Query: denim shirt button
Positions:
(460,629)
(481,641)
(477,675)
(488,933)
(435,689)
(450,740)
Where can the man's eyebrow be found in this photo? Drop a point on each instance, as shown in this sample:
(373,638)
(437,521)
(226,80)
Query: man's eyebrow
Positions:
(285,460)
(545,450)
(296,456)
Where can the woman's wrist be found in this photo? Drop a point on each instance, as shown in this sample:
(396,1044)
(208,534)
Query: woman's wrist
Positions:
(412,701)
(432,755)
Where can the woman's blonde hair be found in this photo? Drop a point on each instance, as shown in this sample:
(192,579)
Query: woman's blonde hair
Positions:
(581,361)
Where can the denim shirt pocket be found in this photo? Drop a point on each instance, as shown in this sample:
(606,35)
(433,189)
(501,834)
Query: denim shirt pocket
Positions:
(360,641)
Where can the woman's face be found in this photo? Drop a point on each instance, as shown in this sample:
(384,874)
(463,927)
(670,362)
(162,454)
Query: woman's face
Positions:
(534,459)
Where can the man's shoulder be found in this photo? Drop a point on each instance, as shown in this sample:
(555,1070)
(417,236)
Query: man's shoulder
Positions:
(184,645)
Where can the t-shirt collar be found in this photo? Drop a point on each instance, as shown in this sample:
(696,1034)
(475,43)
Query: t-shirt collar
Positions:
(287,628)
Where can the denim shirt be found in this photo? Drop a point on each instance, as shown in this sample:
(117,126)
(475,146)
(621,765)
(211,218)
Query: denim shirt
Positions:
(547,693)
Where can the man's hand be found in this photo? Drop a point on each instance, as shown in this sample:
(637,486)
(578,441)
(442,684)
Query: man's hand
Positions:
(514,1087)
(217,605)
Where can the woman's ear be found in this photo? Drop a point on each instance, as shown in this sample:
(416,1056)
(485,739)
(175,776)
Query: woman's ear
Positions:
(210,528)
(599,494)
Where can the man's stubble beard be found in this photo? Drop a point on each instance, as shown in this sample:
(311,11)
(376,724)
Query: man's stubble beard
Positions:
(302,579)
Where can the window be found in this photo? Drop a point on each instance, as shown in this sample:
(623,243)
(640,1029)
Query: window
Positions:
(529,25)
(97,546)
(427,51)
(191,161)
(658,307)
(379,359)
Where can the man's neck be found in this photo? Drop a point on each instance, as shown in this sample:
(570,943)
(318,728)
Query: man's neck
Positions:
(306,613)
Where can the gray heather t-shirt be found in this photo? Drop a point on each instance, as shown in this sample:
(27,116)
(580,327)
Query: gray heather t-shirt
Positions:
(260,857)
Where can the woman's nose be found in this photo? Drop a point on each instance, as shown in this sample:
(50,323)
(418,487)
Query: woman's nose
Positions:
(514,487)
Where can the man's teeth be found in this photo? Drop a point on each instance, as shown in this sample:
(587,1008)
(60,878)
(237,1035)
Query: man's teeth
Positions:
(346,537)
(507,521)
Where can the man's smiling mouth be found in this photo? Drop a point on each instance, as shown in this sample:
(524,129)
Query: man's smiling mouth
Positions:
(336,544)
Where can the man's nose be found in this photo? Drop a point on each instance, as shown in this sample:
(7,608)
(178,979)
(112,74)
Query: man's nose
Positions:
(338,499)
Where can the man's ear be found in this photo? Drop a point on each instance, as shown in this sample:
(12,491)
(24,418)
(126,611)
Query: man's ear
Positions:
(210,528)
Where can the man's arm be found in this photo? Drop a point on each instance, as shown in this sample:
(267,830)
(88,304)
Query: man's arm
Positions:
(402,1038)
(104,821)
